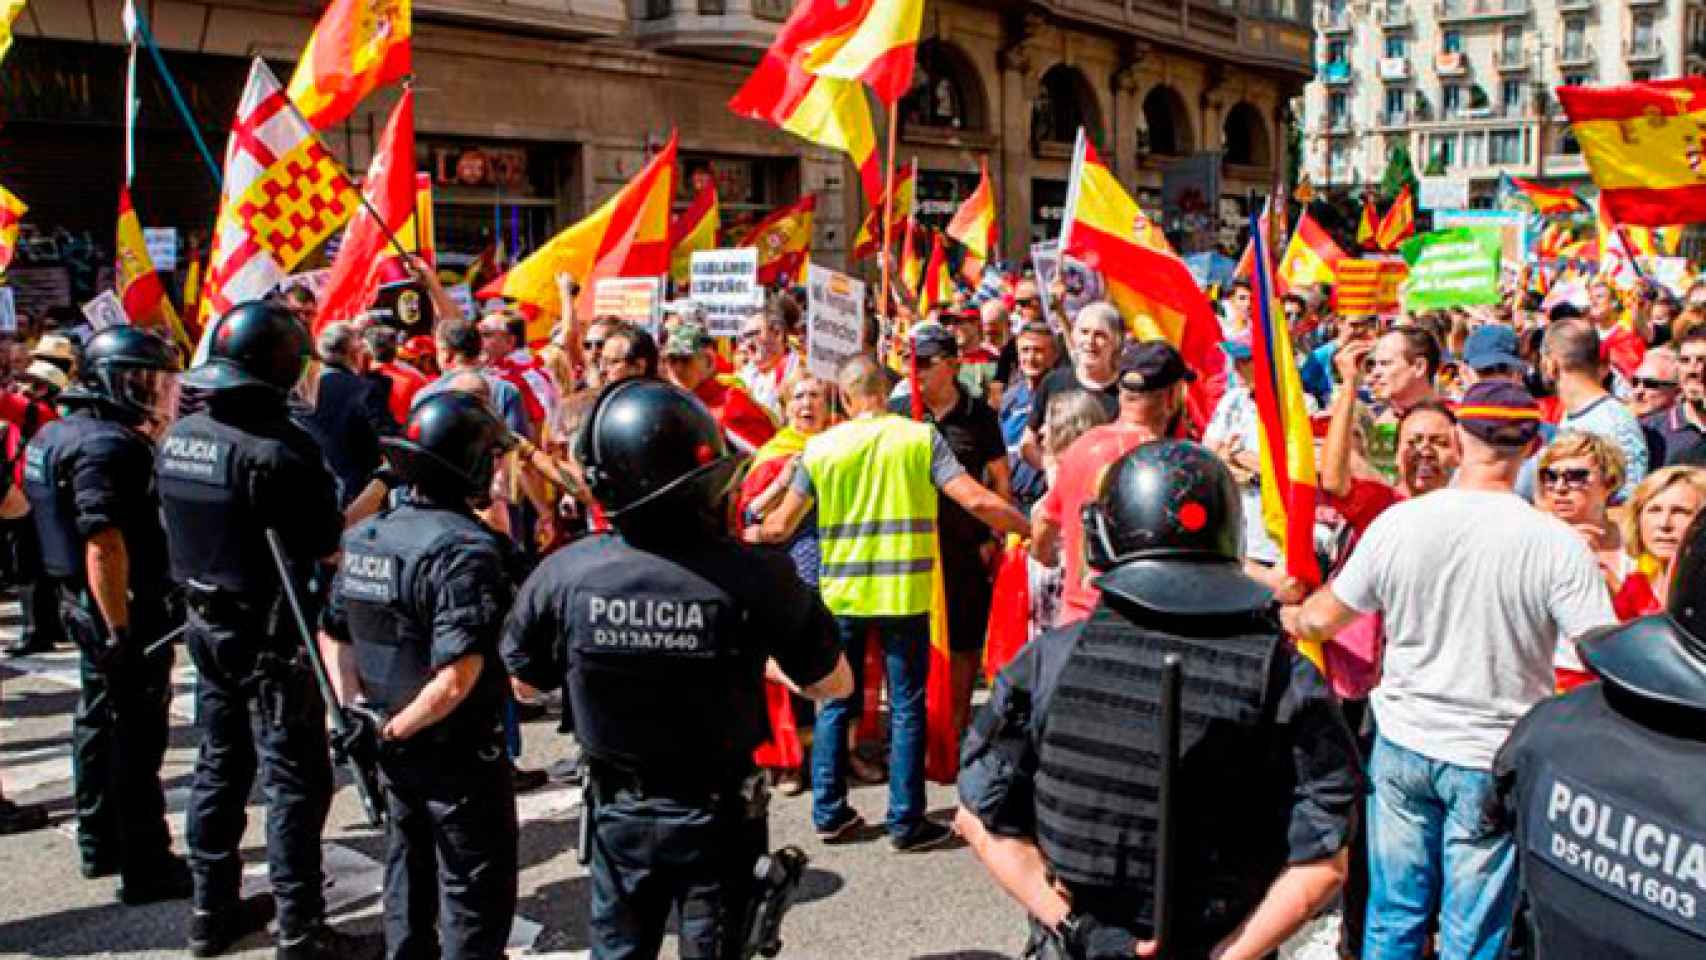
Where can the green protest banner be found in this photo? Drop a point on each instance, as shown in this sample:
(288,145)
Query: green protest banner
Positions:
(1458,267)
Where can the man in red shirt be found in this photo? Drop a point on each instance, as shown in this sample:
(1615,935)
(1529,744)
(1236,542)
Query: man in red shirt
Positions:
(502,336)
(406,381)
(689,362)
(1152,378)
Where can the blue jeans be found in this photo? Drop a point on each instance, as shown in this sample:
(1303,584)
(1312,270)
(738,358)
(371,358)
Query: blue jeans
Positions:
(1427,851)
(906,651)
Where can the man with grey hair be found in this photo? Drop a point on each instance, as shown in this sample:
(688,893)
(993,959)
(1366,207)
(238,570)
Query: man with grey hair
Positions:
(350,412)
(1098,336)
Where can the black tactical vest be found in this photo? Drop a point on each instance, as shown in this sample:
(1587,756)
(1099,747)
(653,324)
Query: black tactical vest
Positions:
(1097,781)
(47,484)
(661,678)
(215,533)
(388,599)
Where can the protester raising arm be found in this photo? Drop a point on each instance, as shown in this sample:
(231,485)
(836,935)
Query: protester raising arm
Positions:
(1336,454)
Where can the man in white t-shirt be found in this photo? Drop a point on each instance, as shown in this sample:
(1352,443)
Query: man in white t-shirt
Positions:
(1481,596)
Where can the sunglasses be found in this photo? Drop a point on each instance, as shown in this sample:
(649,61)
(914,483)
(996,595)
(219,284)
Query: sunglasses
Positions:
(592,346)
(1651,383)
(1025,302)
(1573,478)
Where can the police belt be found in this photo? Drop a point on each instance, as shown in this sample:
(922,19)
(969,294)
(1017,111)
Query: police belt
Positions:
(614,784)
(220,606)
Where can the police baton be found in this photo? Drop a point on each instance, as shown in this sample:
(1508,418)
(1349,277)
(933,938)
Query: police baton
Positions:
(1167,845)
(366,779)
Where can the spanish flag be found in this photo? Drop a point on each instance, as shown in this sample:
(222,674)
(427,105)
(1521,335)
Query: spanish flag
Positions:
(1311,256)
(12,212)
(938,282)
(1399,222)
(1366,227)
(1642,145)
(1287,441)
(828,112)
(1549,201)
(870,238)
(871,41)
(9,10)
(784,241)
(1104,228)
(627,237)
(358,47)
(974,225)
(911,268)
(695,229)
(139,286)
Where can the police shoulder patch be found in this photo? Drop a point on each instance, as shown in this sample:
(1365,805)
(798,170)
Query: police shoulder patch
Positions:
(35,465)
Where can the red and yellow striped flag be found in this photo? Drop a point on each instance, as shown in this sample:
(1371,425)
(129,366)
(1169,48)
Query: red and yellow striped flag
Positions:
(626,237)
(870,238)
(871,41)
(1548,201)
(784,241)
(1368,288)
(911,267)
(12,212)
(695,229)
(974,225)
(9,10)
(1366,227)
(1311,256)
(1642,145)
(1104,228)
(139,286)
(938,282)
(357,47)
(1399,222)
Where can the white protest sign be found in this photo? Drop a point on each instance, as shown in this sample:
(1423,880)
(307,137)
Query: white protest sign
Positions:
(1443,193)
(725,283)
(162,244)
(1045,261)
(106,310)
(835,320)
(8,311)
(634,299)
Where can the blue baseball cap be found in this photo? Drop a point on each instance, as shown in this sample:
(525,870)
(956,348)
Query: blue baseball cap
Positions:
(1489,346)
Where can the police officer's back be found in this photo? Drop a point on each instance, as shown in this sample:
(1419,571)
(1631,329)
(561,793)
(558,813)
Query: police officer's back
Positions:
(227,474)
(415,615)
(1065,759)
(659,634)
(1603,788)
(89,478)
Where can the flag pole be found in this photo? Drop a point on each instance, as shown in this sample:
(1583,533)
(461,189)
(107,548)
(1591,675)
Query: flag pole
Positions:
(177,96)
(888,211)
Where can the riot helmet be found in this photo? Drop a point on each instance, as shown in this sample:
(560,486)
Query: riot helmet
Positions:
(1166,532)
(649,444)
(449,445)
(255,344)
(131,373)
(1686,602)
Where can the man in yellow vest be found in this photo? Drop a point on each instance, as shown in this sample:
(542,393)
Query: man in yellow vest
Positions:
(873,480)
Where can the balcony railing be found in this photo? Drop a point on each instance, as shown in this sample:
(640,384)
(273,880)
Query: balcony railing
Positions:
(1577,6)
(1644,50)
(1575,55)
(1330,20)
(1394,118)
(1336,73)
(1511,61)
(1451,64)
(1394,68)
(1393,17)
(1457,11)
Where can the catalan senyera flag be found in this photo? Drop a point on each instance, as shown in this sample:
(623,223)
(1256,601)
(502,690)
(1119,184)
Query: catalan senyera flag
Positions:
(12,212)
(1311,256)
(358,47)
(695,229)
(975,226)
(870,238)
(1288,443)
(1368,288)
(870,41)
(938,282)
(139,286)
(784,241)
(1399,222)
(1641,142)
(1549,201)
(284,194)
(1366,226)
(390,190)
(626,237)
(9,11)
(824,110)
(1103,227)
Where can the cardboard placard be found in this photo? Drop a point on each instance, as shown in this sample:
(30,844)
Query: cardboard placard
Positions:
(106,310)
(162,244)
(634,299)
(835,320)
(725,283)
(1458,267)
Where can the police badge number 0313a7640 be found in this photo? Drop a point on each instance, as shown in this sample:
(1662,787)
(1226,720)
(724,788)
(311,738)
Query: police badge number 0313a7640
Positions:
(1619,850)
(640,624)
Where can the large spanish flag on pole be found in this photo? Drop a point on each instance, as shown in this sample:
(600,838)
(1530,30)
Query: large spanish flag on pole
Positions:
(12,212)
(695,229)
(138,283)
(874,42)
(358,47)
(1288,443)
(1643,147)
(1399,222)
(1311,256)
(1105,228)
(627,237)
(784,241)
(870,238)
(975,226)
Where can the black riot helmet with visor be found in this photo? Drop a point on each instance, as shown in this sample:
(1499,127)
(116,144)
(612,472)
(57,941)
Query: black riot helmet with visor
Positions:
(129,374)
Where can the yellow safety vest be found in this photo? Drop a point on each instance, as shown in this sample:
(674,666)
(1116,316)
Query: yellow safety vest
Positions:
(876,516)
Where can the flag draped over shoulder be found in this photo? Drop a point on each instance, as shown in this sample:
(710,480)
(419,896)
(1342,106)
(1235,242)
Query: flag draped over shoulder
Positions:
(1311,256)
(1641,142)
(784,241)
(974,225)
(284,194)
(870,238)
(626,237)
(1288,444)
(1104,228)
(390,190)
(695,229)
(12,212)
(357,47)
(1399,222)
(139,286)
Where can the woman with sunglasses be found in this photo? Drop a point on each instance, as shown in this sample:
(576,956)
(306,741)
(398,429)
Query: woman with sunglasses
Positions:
(1654,522)
(1579,473)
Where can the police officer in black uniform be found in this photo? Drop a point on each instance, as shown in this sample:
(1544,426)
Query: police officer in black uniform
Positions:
(412,629)
(659,634)
(90,481)
(226,475)
(1602,788)
(1059,778)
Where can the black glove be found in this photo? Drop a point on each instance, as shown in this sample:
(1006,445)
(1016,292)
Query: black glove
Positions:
(359,740)
(109,655)
(1083,937)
